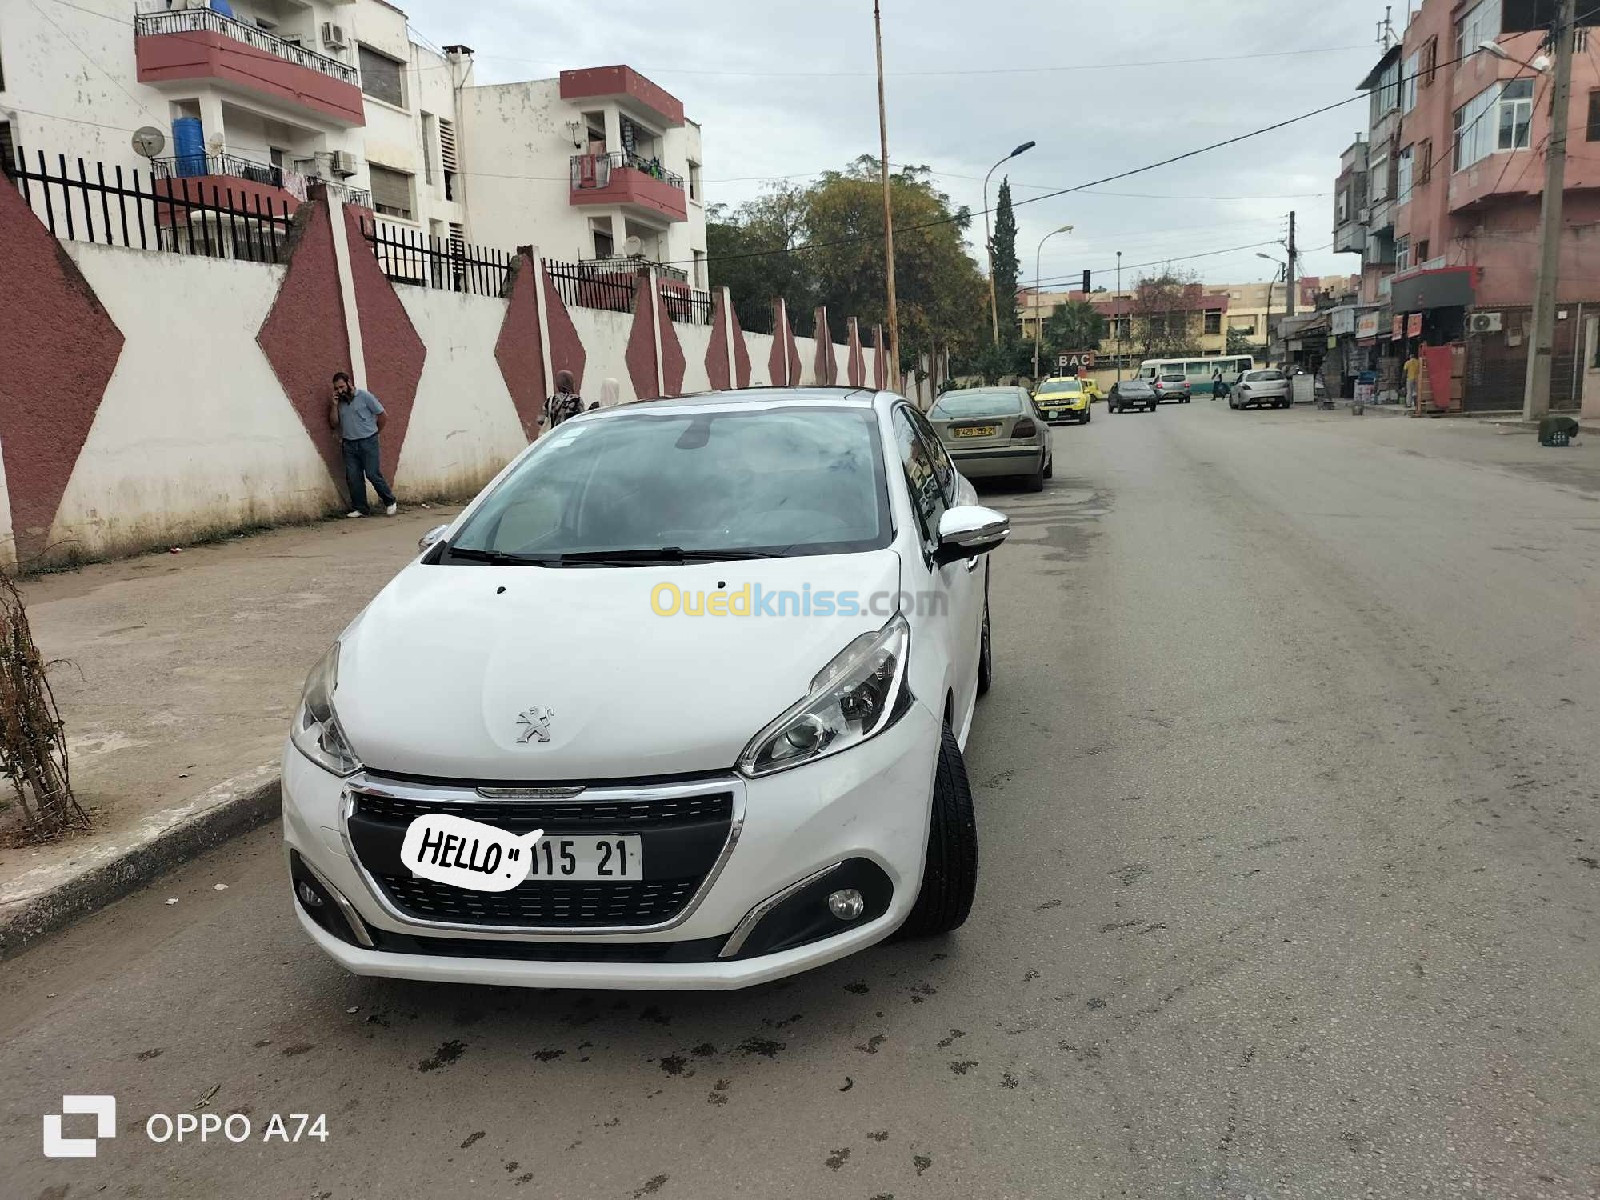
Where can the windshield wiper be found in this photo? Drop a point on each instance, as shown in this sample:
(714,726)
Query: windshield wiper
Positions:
(498,558)
(663,554)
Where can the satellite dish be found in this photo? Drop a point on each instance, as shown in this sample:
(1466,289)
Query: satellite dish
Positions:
(148,141)
(633,247)
(214,143)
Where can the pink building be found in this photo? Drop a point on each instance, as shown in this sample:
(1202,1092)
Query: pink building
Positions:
(1468,175)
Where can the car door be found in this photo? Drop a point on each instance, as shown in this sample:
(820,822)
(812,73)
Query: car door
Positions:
(947,600)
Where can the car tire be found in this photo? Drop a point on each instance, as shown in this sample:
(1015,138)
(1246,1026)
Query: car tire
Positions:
(986,655)
(1087,417)
(950,868)
(1050,467)
(1035,482)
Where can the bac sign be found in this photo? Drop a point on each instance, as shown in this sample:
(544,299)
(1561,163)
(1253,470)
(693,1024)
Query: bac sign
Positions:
(1076,363)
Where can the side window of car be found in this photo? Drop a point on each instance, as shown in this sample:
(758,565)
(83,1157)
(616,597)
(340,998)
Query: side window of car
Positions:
(922,479)
(943,468)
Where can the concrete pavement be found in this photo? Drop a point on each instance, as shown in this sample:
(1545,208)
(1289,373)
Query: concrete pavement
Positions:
(1287,803)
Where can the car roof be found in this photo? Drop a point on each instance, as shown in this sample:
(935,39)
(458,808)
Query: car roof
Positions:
(752,398)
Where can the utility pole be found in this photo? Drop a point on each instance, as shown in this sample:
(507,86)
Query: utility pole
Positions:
(1541,346)
(1293,254)
(888,208)
(1116,318)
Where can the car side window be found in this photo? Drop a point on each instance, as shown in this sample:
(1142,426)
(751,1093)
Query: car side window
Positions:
(943,468)
(922,478)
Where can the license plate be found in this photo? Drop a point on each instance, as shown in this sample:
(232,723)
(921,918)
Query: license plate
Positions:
(592,857)
(978,431)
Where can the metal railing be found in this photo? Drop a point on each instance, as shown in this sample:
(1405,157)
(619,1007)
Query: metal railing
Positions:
(686,306)
(593,171)
(635,263)
(206,20)
(598,284)
(189,166)
(176,215)
(449,264)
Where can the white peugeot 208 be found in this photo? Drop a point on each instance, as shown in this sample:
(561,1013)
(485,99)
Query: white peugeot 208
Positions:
(719,652)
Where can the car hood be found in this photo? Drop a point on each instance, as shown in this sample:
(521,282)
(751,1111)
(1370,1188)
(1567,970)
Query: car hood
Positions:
(435,674)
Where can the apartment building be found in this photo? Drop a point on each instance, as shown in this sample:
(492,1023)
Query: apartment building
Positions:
(265,98)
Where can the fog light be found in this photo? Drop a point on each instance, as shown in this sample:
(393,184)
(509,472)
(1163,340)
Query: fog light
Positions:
(308,895)
(846,904)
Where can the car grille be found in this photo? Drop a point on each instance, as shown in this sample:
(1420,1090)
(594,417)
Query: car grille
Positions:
(522,816)
(558,905)
(681,836)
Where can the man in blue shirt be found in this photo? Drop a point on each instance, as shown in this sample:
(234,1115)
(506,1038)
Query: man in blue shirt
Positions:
(358,417)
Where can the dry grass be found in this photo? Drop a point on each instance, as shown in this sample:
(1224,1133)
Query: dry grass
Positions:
(33,744)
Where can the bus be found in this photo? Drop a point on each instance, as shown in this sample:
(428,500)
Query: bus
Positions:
(1198,371)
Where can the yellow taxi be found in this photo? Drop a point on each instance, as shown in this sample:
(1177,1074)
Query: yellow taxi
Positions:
(1066,399)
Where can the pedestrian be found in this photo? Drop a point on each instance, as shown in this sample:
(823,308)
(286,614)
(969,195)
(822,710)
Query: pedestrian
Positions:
(1413,370)
(357,415)
(1218,387)
(566,402)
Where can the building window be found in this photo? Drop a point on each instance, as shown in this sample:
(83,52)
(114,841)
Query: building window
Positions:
(1213,320)
(1408,82)
(1243,325)
(1498,118)
(447,157)
(1424,161)
(391,192)
(1405,174)
(1402,255)
(694,180)
(700,269)
(600,230)
(1482,23)
(1343,203)
(1429,66)
(382,77)
(1422,252)
(1389,88)
(1379,177)
(1594,117)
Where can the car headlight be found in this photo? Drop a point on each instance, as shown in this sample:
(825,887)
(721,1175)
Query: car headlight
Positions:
(855,697)
(316,732)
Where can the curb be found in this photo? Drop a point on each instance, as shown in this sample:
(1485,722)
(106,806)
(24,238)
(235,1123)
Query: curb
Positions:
(49,898)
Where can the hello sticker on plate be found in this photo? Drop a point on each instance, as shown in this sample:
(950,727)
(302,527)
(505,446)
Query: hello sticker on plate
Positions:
(467,854)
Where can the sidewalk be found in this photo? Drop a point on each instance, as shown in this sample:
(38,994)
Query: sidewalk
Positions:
(182,672)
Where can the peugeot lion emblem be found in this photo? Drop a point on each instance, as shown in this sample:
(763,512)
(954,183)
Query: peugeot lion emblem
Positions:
(535,725)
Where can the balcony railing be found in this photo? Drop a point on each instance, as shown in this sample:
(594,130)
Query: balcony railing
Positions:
(593,171)
(206,20)
(189,166)
(631,264)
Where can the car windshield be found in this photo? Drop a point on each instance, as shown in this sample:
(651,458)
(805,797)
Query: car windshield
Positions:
(954,405)
(1264,376)
(1134,385)
(667,486)
(1061,387)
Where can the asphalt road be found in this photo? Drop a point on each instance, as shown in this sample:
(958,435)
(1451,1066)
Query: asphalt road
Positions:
(1291,859)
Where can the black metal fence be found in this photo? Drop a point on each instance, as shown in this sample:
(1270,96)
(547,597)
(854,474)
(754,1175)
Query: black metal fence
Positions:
(141,212)
(687,306)
(450,264)
(602,284)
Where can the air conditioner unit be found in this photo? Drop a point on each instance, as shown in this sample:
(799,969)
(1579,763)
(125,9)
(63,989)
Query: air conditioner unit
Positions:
(333,36)
(342,163)
(1486,322)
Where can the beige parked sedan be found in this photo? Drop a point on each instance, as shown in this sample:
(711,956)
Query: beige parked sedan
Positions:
(995,431)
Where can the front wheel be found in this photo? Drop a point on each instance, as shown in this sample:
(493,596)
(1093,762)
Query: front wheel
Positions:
(950,871)
(1087,417)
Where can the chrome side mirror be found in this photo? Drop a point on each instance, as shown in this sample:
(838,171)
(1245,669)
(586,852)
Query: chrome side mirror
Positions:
(969,530)
(432,536)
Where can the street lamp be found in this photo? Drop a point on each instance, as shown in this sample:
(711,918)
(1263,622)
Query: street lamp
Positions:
(1038,321)
(1284,267)
(988,237)
(1540,64)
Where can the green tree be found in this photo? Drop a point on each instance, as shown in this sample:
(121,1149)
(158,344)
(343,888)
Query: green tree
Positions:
(1006,266)
(1166,315)
(1239,342)
(1076,325)
(750,251)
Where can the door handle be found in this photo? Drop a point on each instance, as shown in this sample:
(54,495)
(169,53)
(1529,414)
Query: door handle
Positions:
(972,563)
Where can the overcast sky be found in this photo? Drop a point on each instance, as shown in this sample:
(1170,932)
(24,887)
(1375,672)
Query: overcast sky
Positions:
(787,90)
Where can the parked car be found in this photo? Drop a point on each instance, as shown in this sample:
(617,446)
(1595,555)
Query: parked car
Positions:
(1269,388)
(1172,386)
(1132,393)
(995,431)
(722,802)
(1063,400)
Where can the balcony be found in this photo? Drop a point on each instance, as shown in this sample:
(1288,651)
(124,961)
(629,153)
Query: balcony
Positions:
(626,179)
(197,44)
(1350,238)
(244,183)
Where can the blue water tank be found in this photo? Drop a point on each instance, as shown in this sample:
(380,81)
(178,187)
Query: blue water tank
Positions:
(189,146)
(223,7)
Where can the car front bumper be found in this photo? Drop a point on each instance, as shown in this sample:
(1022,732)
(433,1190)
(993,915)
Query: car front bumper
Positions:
(866,808)
(1075,412)
(998,460)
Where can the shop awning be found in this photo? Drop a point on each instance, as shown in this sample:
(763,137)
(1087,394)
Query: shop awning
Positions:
(1447,287)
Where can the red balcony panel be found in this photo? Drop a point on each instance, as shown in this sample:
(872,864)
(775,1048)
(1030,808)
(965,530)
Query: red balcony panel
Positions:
(215,190)
(630,186)
(206,54)
(605,83)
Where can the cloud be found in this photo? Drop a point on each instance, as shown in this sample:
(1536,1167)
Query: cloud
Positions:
(787,90)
